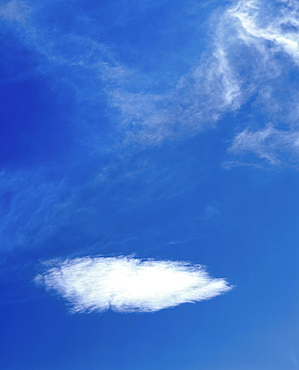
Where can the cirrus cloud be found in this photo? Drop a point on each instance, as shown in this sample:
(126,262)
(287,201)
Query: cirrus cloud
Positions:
(126,284)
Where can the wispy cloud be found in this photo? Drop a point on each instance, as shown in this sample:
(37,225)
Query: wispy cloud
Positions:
(277,23)
(267,144)
(252,44)
(127,284)
(142,112)
(261,41)
(31,208)
(14,10)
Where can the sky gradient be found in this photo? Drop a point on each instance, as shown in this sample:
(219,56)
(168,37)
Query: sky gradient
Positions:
(149,208)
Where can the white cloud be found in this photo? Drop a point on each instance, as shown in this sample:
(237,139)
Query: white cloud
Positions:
(261,43)
(127,284)
(277,25)
(230,83)
(267,143)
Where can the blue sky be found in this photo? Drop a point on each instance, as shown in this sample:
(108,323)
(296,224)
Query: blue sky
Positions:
(149,204)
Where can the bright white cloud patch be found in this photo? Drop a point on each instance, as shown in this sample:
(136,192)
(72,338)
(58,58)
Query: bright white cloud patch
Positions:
(127,284)
(278,26)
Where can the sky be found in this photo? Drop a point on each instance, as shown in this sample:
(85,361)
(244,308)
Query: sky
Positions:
(149,176)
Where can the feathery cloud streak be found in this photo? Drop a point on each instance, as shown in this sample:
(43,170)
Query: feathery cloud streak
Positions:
(263,50)
(126,284)
(238,59)
(254,47)
(31,208)
(277,23)
(267,143)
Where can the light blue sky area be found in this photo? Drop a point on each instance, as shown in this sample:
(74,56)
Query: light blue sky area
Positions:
(149,185)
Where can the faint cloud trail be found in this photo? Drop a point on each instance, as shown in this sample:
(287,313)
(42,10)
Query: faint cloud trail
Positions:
(15,10)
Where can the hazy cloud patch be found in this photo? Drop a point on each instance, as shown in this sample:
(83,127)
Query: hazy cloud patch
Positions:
(31,208)
(267,144)
(251,47)
(15,10)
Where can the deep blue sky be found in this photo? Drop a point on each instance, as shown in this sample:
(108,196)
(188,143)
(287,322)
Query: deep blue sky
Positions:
(167,131)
